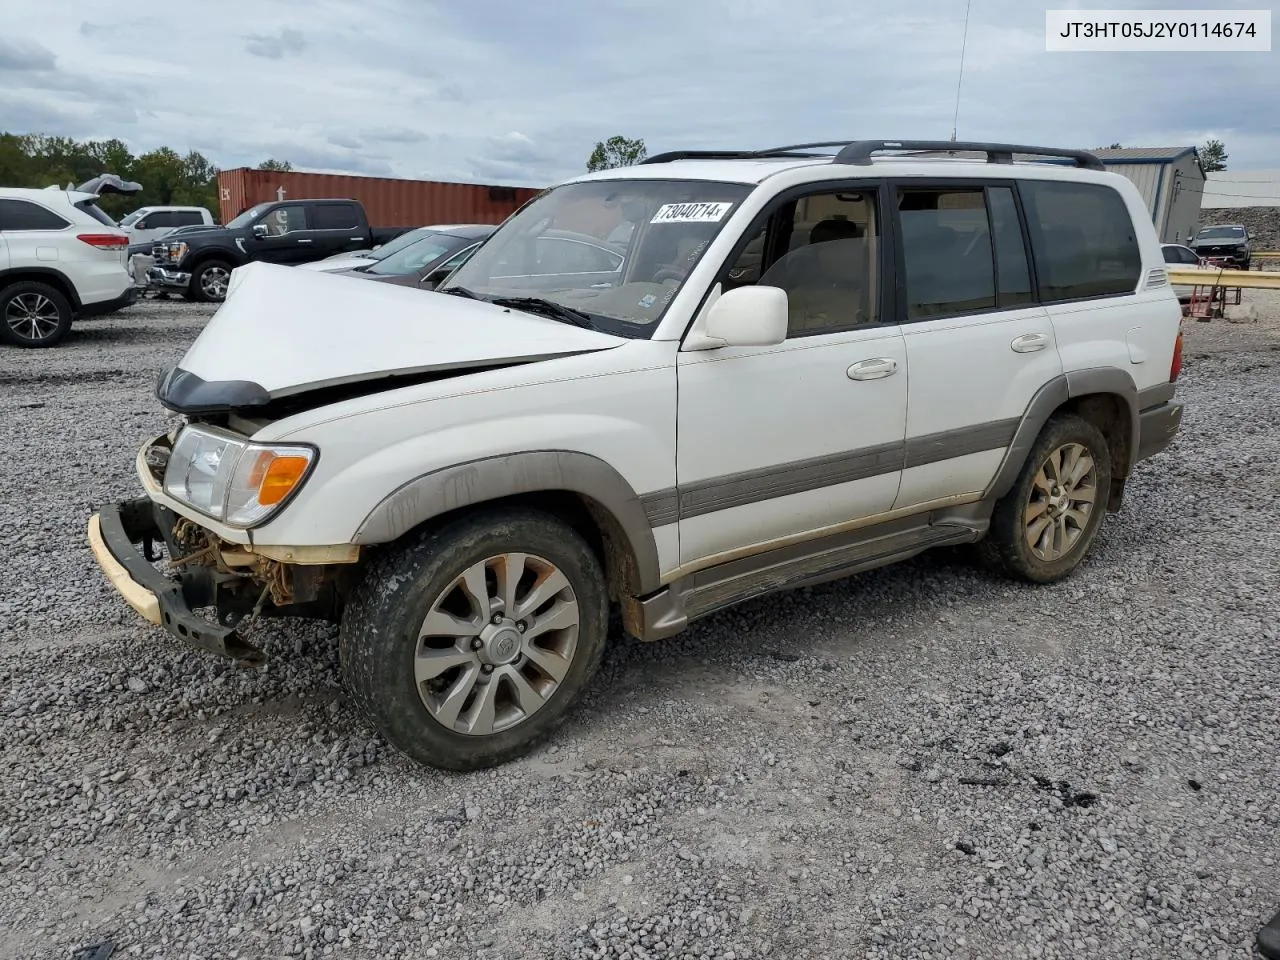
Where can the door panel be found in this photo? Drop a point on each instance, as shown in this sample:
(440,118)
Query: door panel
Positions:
(972,378)
(775,442)
(289,240)
(978,348)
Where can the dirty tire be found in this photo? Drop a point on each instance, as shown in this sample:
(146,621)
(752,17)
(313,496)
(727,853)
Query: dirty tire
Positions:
(33,315)
(379,636)
(209,281)
(1007,547)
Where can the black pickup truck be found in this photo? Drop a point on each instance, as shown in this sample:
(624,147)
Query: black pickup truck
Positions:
(199,263)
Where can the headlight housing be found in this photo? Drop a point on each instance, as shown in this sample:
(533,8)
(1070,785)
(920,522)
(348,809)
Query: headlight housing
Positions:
(233,480)
(175,250)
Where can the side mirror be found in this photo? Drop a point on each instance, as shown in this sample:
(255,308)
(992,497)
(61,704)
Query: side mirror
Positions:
(260,230)
(749,317)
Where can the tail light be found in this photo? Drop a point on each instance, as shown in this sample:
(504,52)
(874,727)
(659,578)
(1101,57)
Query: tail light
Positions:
(1175,368)
(105,241)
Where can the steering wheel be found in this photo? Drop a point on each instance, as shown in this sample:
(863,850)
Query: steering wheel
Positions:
(669,273)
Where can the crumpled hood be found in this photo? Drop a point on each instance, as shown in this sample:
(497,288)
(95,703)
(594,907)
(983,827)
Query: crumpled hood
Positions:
(283,331)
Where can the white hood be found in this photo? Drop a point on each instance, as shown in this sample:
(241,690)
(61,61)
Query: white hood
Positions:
(288,331)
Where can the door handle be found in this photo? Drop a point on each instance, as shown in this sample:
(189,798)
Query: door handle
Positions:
(1030,342)
(876,369)
(302,240)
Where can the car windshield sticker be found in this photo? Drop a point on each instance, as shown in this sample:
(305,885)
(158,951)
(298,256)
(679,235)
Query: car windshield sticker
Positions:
(691,213)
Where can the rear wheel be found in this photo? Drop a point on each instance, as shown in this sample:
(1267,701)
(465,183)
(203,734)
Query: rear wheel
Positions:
(33,315)
(1042,529)
(209,281)
(468,646)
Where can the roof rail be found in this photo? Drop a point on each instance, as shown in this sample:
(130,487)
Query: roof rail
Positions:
(859,152)
(789,151)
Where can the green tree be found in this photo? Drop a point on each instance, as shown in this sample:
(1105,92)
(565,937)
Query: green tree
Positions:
(36,160)
(281,166)
(1213,156)
(616,152)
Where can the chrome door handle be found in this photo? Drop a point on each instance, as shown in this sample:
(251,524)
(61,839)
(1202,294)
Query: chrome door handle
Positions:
(875,369)
(1029,342)
(301,240)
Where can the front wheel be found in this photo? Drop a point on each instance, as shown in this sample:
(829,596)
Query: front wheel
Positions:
(469,645)
(209,281)
(1042,529)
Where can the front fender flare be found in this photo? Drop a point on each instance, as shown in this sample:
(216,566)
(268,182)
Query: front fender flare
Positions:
(537,471)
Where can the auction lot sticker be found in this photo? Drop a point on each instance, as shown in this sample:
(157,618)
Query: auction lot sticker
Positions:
(1153,31)
(691,213)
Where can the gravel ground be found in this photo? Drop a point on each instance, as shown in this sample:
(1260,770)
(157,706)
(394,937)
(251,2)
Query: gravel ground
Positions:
(917,762)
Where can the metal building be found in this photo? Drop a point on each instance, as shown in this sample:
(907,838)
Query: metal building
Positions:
(1170,179)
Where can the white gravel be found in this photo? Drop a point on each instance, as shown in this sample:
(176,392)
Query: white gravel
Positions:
(919,762)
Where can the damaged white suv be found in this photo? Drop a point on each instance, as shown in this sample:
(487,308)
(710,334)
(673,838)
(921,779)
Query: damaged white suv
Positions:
(661,389)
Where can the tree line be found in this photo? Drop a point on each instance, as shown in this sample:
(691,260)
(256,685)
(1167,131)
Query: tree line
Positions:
(167,177)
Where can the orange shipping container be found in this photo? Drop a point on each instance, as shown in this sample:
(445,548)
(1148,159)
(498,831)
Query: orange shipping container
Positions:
(388,202)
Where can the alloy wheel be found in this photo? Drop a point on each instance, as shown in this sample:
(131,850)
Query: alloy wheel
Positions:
(32,316)
(1064,495)
(496,644)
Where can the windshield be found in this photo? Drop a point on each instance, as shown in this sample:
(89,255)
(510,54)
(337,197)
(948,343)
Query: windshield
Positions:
(417,255)
(246,216)
(392,247)
(1211,232)
(616,250)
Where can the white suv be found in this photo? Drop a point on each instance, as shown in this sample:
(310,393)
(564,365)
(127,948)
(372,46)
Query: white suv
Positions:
(60,258)
(805,366)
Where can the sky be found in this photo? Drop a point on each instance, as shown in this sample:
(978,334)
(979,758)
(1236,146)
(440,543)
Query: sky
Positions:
(513,92)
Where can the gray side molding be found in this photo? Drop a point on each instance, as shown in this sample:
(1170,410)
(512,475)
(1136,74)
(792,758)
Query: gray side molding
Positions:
(535,471)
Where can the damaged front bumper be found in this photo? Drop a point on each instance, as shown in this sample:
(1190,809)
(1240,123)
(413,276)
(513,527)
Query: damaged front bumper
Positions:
(115,534)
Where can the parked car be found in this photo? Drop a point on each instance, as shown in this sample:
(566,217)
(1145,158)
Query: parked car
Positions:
(361,258)
(470,480)
(61,259)
(286,232)
(148,224)
(427,260)
(1230,242)
(1184,258)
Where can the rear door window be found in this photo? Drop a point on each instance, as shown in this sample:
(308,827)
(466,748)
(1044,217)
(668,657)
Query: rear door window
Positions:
(947,251)
(17,215)
(334,216)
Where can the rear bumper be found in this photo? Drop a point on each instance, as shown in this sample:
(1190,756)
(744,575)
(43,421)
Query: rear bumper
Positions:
(1157,426)
(114,534)
(104,307)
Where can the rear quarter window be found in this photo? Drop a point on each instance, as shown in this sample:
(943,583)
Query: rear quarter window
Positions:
(1082,238)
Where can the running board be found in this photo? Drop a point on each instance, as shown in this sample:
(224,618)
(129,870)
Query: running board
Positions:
(669,611)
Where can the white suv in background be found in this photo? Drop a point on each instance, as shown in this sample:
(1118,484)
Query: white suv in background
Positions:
(60,258)
(805,366)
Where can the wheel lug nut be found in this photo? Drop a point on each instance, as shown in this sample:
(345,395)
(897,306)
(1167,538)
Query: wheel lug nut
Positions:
(487,668)
(477,643)
(497,619)
(522,626)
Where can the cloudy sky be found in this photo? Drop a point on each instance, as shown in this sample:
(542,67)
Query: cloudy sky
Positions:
(508,91)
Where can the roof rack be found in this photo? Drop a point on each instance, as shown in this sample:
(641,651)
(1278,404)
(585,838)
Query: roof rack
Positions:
(794,150)
(859,152)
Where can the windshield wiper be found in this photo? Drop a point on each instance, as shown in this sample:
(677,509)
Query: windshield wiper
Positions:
(459,292)
(547,308)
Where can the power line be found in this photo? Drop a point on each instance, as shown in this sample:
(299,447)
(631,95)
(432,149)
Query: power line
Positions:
(964,41)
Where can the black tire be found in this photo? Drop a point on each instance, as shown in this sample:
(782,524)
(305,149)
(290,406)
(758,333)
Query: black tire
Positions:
(203,286)
(378,638)
(1007,547)
(53,310)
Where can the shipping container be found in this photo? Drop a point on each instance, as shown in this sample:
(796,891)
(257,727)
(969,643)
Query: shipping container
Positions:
(388,202)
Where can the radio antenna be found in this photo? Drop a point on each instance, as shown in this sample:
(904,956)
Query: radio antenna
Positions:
(963,43)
